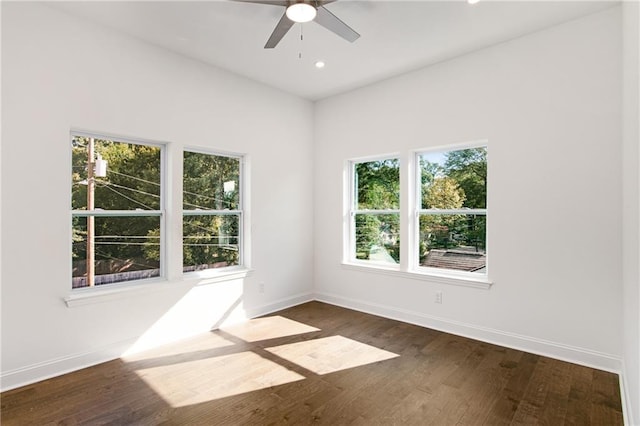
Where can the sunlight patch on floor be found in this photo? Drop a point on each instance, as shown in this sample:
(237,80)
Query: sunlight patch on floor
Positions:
(202,342)
(330,354)
(198,381)
(267,328)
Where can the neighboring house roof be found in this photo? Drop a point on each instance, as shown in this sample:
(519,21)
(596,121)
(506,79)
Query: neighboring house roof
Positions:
(458,259)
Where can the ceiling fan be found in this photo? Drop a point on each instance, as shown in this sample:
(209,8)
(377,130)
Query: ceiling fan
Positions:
(305,11)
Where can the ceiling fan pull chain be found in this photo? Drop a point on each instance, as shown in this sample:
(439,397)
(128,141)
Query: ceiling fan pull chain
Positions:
(301,39)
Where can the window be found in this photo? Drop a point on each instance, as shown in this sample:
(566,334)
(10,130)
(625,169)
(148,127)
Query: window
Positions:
(452,210)
(375,211)
(440,234)
(117,210)
(212,211)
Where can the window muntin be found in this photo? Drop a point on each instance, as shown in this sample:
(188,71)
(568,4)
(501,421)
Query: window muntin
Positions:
(452,209)
(212,211)
(375,211)
(116,210)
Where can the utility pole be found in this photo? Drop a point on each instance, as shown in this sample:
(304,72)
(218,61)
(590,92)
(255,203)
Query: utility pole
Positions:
(91,188)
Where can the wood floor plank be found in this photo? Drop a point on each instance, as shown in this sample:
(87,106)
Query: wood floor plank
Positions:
(520,366)
(554,409)
(579,404)
(219,378)
(484,384)
(606,407)
(528,411)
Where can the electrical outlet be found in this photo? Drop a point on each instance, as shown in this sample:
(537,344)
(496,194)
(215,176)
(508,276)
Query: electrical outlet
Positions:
(261,287)
(438,297)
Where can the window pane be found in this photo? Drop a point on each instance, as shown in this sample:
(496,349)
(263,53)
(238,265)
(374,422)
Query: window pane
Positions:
(125,176)
(378,237)
(377,185)
(210,241)
(455,242)
(125,249)
(454,179)
(211,182)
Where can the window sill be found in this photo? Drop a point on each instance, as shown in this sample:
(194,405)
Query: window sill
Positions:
(212,276)
(473,282)
(86,296)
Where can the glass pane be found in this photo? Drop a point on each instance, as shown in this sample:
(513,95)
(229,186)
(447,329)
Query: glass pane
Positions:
(377,185)
(124,249)
(210,241)
(454,179)
(455,242)
(378,237)
(112,175)
(211,182)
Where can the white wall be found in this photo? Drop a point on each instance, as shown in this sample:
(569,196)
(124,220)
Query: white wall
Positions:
(631,210)
(550,106)
(60,72)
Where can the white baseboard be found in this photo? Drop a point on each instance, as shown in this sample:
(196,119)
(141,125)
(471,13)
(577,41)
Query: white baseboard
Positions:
(627,403)
(576,355)
(279,305)
(45,370)
(41,371)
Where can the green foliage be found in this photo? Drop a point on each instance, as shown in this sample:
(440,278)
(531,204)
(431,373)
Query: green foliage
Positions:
(378,188)
(459,183)
(377,237)
(210,240)
(132,182)
(204,176)
(378,184)
(469,168)
(444,193)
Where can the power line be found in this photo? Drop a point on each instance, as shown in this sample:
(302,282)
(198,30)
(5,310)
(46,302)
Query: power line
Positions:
(133,177)
(130,189)
(157,184)
(115,243)
(115,258)
(128,198)
(127,236)
(203,196)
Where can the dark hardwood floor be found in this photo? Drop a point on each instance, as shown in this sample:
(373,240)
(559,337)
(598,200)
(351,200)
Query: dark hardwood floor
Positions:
(321,364)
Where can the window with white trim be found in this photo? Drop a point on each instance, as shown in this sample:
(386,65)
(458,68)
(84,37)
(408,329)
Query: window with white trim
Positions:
(212,211)
(117,210)
(375,211)
(451,213)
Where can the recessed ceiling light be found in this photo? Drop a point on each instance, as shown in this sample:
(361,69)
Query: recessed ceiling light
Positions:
(472,1)
(319,64)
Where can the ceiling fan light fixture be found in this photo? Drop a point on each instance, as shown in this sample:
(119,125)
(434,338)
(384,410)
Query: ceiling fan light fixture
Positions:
(301,12)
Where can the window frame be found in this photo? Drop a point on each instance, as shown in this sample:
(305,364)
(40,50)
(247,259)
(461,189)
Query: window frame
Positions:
(161,213)
(410,207)
(418,211)
(352,210)
(240,212)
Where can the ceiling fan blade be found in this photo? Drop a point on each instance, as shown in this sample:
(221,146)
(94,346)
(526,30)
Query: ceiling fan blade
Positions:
(281,29)
(332,23)
(271,2)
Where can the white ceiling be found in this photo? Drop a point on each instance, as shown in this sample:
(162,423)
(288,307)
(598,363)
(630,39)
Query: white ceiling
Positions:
(396,36)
